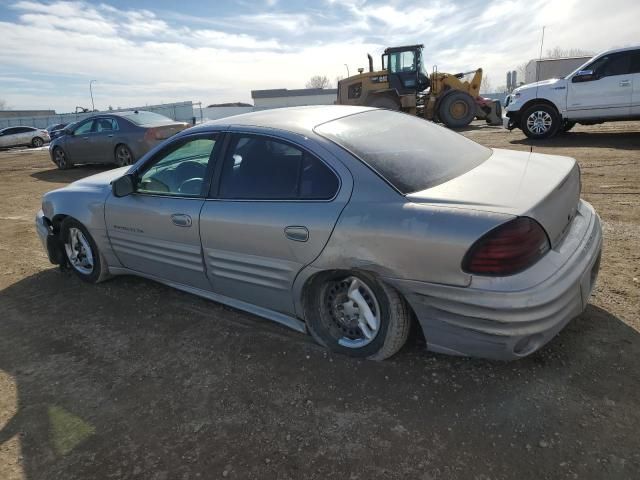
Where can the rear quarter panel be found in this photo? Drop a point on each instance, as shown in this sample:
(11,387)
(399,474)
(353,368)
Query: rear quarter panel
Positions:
(380,231)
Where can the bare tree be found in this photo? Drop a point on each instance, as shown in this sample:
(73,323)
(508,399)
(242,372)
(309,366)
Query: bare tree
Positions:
(3,105)
(318,81)
(485,85)
(559,52)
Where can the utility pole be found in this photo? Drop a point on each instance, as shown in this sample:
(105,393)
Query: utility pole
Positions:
(93,108)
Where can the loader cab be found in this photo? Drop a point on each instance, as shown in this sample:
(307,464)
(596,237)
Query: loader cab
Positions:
(405,69)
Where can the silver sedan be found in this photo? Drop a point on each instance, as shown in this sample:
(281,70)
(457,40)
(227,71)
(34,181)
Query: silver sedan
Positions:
(347,223)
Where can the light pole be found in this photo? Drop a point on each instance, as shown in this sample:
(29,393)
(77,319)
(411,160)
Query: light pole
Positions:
(347,70)
(91,92)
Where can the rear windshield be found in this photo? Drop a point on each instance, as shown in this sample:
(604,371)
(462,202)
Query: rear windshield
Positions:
(412,154)
(147,118)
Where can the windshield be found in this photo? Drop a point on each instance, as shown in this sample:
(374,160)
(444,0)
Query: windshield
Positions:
(410,153)
(147,118)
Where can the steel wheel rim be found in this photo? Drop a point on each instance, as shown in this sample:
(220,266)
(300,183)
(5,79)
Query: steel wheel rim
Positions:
(351,312)
(539,122)
(459,110)
(79,251)
(124,156)
(60,158)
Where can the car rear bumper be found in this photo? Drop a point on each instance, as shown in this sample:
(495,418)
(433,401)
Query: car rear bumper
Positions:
(503,323)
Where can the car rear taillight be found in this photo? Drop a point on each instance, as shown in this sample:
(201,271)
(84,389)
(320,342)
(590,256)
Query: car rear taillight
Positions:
(159,133)
(510,248)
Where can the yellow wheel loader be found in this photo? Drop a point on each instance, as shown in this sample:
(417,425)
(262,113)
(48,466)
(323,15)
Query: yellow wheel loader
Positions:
(403,84)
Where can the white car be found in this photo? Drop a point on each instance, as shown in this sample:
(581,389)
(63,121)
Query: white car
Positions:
(604,89)
(23,136)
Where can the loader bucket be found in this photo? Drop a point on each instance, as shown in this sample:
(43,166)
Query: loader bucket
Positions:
(489,110)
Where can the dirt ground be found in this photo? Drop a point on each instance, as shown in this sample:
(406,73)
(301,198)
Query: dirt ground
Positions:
(131,379)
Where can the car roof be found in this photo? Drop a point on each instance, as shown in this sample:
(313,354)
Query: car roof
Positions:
(295,119)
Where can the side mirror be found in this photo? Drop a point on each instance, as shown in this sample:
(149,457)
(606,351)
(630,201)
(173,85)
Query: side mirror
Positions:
(584,76)
(123,186)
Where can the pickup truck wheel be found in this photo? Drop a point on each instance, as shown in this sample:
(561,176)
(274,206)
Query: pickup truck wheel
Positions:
(354,314)
(82,253)
(540,121)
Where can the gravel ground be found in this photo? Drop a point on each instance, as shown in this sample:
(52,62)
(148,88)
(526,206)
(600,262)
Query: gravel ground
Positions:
(131,379)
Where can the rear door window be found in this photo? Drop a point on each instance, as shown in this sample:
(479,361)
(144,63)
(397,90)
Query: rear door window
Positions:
(262,168)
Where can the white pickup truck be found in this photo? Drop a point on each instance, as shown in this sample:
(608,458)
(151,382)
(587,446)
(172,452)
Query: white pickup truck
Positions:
(605,89)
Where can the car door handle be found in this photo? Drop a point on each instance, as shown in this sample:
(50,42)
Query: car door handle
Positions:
(297,233)
(181,220)
(111,135)
(625,83)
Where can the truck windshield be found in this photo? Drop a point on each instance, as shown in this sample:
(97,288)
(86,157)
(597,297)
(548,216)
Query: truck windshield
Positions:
(410,153)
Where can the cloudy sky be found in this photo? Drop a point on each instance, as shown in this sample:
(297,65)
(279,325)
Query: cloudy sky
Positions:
(151,51)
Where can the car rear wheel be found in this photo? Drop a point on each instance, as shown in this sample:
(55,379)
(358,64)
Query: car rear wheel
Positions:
(540,121)
(82,252)
(60,159)
(37,142)
(123,155)
(354,314)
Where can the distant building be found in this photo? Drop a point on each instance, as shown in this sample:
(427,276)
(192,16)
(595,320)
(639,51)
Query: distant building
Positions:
(282,97)
(547,68)
(26,113)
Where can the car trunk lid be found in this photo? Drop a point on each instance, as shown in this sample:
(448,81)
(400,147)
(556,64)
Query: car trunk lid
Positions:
(543,187)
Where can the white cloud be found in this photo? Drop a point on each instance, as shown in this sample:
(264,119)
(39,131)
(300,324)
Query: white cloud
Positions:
(139,56)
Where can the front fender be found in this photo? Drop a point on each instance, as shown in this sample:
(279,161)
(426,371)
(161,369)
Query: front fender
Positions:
(87,207)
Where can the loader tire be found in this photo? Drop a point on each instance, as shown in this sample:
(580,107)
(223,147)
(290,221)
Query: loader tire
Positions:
(457,109)
(385,102)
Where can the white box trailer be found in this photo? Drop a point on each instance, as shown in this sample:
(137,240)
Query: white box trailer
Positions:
(547,68)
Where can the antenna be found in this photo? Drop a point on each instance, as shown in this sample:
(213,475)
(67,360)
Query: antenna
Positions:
(539,60)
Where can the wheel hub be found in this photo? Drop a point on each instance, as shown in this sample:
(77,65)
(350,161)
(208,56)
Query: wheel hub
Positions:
(539,122)
(79,251)
(352,313)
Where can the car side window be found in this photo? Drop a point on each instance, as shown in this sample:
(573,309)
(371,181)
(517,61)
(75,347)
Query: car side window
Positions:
(105,125)
(179,170)
(260,168)
(84,128)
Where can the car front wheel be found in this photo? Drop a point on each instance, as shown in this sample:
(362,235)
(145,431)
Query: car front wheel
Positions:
(60,159)
(540,121)
(356,315)
(82,252)
(37,142)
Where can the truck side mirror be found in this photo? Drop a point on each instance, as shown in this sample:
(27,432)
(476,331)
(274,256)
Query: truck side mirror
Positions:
(584,76)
